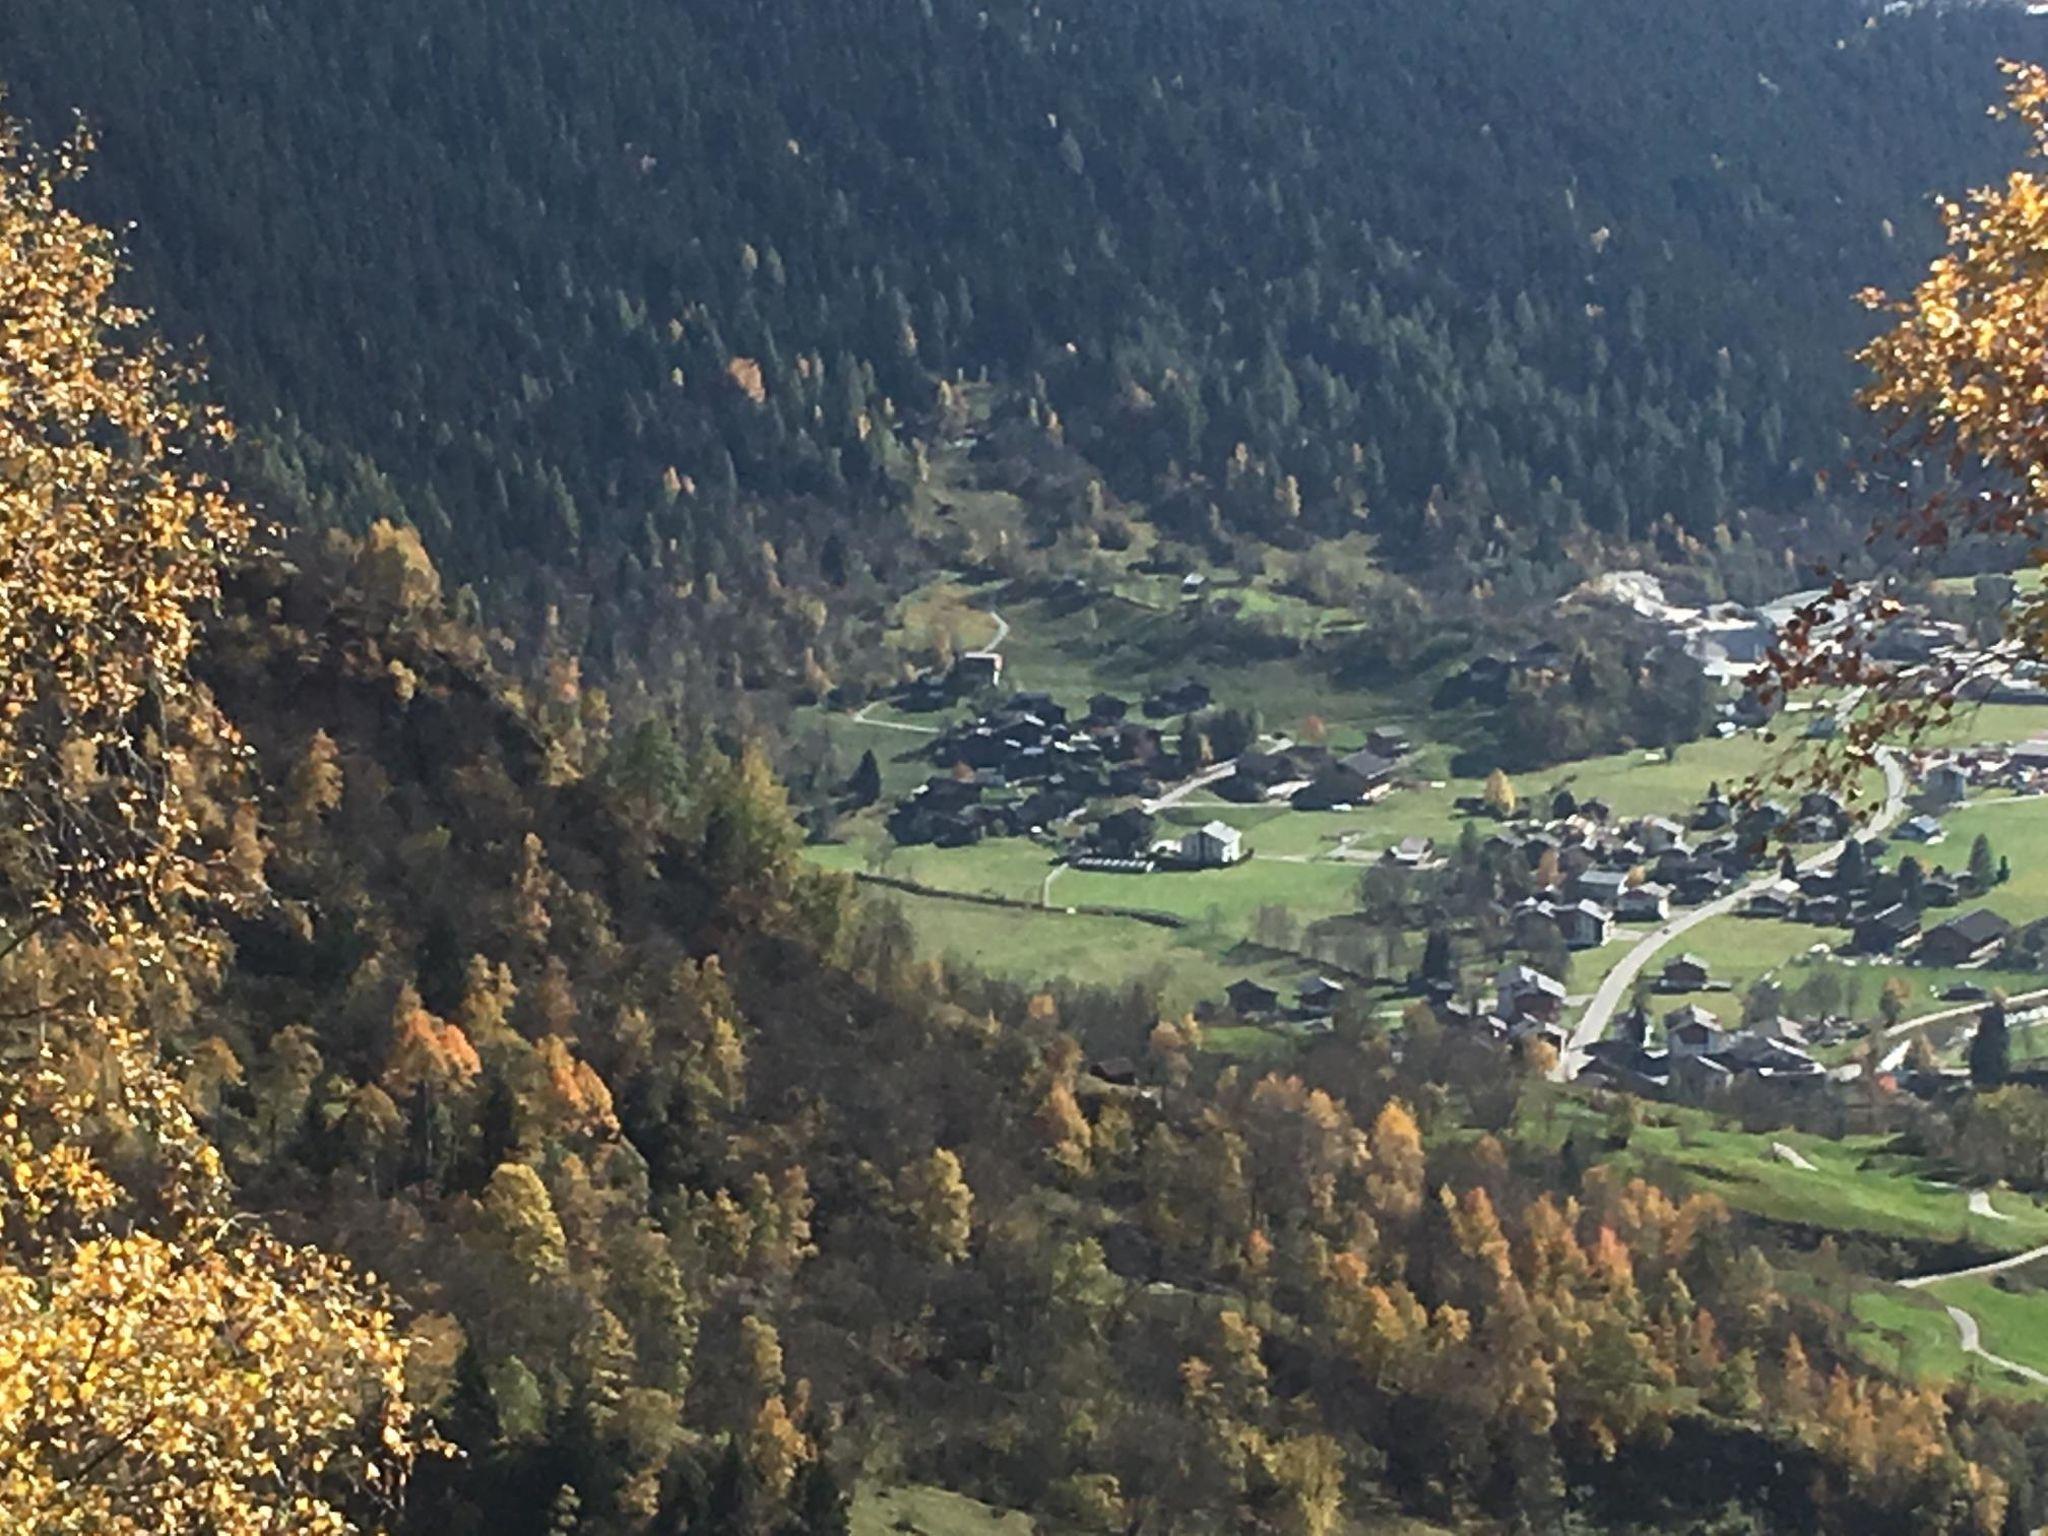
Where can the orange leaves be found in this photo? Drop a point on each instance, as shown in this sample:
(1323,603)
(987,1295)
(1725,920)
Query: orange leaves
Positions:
(746,377)
(1398,1166)
(426,1051)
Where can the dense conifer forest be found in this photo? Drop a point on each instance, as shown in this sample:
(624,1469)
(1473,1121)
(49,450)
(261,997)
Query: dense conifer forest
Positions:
(622,297)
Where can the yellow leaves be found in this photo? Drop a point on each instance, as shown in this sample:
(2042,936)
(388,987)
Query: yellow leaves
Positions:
(1397,1161)
(935,1194)
(1065,1130)
(519,1218)
(109,547)
(163,1368)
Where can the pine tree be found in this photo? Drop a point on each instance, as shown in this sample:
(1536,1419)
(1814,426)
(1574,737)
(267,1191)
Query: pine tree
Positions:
(1991,1048)
(818,1505)
(1983,866)
(1437,966)
(866,784)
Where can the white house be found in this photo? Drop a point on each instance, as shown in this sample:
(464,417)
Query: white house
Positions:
(1214,846)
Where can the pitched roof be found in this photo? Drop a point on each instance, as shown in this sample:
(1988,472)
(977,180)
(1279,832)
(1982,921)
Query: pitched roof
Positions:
(1982,926)
(1691,1013)
(1527,977)
(1367,764)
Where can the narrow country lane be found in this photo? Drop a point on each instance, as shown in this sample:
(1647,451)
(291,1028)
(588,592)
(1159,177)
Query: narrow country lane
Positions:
(865,714)
(1973,1344)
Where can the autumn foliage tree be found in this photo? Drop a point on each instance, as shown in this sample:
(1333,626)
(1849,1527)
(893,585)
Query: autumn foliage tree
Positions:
(166,1364)
(112,542)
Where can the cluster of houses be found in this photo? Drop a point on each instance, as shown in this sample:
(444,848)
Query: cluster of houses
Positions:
(1886,910)
(1949,779)
(1639,871)
(1021,767)
(1698,1054)
(1313,1011)
(1315,778)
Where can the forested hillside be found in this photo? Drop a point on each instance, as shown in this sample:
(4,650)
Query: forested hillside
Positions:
(429,1108)
(639,294)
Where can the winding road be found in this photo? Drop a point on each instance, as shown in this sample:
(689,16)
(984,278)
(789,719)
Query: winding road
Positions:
(1599,1015)
(865,716)
(1973,1344)
(1971,1333)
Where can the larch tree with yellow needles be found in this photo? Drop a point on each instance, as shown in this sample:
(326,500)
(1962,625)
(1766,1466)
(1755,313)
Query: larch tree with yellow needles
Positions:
(166,1364)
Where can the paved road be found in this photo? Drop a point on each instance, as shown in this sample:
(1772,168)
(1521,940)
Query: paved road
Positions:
(1962,1011)
(1187,787)
(1971,1334)
(1599,1015)
(1967,1328)
(1979,1271)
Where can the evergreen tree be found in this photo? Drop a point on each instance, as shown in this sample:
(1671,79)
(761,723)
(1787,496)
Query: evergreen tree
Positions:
(1437,967)
(866,784)
(1983,865)
(1991,1048)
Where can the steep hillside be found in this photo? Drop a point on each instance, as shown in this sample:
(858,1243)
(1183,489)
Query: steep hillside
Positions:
(624,288)
(703,1201)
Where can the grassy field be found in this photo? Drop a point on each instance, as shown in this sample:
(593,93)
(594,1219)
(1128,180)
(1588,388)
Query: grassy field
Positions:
(1908,1334)
(1857,1185)
(1033,948)
(1002,866)
(919,1510)
(1222,899)
(2017,829)
(2014,1321)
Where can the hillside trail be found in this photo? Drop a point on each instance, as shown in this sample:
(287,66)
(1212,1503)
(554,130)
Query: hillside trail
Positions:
(864,715)
(1969,1331)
